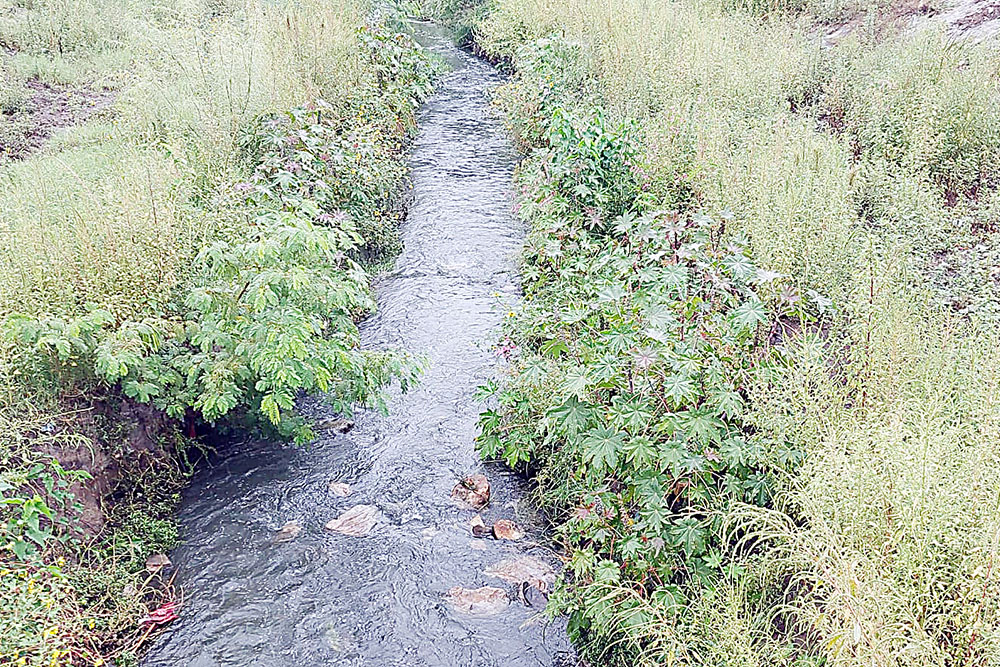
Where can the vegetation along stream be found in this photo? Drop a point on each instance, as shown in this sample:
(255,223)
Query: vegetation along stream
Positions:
(255,594)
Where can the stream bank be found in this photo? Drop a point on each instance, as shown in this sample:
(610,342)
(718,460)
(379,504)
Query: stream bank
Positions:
(326,598)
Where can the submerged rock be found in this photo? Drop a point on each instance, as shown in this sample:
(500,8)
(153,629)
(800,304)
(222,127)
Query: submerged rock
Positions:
(531,596)
(340,489)
(479,528)
(524,570)
(288,532)
(336,425)
(505,529)
(479,601)
(356,522)
(473,491)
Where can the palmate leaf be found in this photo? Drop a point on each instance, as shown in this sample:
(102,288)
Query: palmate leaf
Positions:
(640,451)
(573,314)
(659,316)
(671,457)
(749,314)
(572,416)
(680,389)
(601,447)
(734,452)
(554,348)
(656,517)
(740,266)
(631,412)
(534,371)
(619,339)
(675,275)
(788,455)
(604,369)
(575,382)
(758,489)
(727,402)
(612,293)
(702,425)
(689,536)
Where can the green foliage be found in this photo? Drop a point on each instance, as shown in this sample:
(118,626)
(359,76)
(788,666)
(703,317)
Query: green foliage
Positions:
(29,519)
(592,163)
(32,503)
(35,599)
(924,105)
(271,314)
(205,249)
(641,332)
(461,16)
(875,414)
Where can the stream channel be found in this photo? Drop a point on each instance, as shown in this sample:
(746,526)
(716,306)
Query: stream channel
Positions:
(324,598)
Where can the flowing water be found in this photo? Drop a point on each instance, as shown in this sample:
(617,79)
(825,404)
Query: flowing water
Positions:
(330,599)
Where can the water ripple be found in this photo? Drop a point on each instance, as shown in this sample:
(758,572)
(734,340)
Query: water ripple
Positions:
(329,599)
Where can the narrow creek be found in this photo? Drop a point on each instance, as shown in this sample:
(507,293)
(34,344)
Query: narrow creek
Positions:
(330,599)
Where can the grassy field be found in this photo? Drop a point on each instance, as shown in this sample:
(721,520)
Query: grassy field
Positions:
(755,373)
(756,367)
(191,195)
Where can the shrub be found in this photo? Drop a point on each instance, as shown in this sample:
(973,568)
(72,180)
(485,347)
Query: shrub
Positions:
(205,249)
(630,362)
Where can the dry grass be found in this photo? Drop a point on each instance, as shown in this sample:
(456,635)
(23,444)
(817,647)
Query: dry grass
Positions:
(111,214)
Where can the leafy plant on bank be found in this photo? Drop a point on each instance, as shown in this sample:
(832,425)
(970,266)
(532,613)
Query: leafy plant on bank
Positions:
(273,312)
(35,501)
(267,310)
(630,358)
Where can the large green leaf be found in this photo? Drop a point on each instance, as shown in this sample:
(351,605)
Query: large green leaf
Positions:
(601,447)
(749,314)
(572,416)
(689,536)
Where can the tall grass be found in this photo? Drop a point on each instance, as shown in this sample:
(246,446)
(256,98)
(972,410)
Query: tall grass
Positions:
(115,218)
(857,171)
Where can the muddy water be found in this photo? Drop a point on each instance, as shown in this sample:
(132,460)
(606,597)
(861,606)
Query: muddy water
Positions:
(329,599)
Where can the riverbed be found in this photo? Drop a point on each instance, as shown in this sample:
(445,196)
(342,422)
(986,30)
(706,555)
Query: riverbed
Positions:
(323,598)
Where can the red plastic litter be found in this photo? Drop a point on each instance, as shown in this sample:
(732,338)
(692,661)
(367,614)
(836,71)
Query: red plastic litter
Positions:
(161,615)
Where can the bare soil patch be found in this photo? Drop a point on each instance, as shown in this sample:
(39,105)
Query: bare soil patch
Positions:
(975,19)
(47,109)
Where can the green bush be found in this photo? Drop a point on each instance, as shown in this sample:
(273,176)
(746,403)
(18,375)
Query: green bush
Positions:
(630,360)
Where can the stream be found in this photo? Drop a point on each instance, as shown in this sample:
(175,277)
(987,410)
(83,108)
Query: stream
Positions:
(325,598)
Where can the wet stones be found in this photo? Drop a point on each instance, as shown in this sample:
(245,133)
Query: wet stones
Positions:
(356,522)
(479,528)
(482,601)
(531,577)
(288,532)
(335,425)
(503,529)
(339,489)
(524,570)
(473,491)
(532,596)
